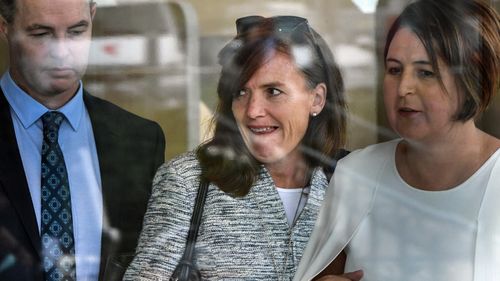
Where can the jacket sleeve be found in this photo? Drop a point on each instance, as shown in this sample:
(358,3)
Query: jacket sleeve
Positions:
(165,227)
(347,202)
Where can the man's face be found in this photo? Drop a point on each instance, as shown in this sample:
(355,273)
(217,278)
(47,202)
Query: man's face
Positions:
(48,45)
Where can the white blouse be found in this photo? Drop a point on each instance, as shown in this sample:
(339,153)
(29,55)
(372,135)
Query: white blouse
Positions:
(396,232)
(412,234)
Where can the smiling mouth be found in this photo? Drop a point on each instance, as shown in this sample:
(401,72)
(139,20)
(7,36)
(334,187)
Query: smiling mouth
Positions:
(263,130)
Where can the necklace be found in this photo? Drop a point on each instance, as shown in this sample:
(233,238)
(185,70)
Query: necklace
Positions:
(289,244)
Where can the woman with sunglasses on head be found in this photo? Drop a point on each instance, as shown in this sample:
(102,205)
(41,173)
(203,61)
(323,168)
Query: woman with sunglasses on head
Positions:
(278,128)
(426,206)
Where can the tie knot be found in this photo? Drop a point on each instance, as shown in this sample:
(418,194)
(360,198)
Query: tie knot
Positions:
(51,122)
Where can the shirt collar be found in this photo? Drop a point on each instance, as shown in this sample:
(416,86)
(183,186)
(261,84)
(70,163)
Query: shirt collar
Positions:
(29,111)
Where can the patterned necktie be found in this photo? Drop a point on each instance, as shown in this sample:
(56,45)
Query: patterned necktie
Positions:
(58,245)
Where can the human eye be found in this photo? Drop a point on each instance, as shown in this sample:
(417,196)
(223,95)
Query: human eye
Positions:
(393,70)
(274,92)
(77,31)
(424,73)
(240,93)
(39,34)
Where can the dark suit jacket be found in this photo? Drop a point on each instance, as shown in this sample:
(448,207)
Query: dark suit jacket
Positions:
(129,148)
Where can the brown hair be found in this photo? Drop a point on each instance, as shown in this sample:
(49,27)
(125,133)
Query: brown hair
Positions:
(7,10)
(465,35)
(225,159)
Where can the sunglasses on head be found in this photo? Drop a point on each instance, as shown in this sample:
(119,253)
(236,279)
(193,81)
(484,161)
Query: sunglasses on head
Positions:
(283,24)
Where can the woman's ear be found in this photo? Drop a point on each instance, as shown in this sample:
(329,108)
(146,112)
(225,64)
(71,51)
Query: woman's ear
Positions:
(319,99)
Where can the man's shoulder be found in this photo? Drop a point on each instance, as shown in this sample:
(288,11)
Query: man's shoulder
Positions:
(100,108)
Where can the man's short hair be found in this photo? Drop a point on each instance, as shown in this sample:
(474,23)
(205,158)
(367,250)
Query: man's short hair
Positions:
(8,9)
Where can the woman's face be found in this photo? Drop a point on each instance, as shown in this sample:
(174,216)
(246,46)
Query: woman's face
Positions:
(418,108)
(272,110)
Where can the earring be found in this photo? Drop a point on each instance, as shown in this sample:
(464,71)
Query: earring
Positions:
(314,114)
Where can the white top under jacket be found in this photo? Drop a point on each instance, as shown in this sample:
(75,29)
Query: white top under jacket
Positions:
(240,238)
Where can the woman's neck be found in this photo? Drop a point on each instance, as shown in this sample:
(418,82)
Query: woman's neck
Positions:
(292,173)
(445,162)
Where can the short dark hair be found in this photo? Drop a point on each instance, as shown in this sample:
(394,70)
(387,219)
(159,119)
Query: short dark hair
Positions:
(225,159)
(8,9)
(465,35)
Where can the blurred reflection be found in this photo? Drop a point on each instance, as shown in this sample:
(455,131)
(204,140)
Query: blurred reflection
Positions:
(139,59)
(279,125)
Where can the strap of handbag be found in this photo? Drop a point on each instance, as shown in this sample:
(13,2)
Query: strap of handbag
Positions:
(328,170)
(186,270)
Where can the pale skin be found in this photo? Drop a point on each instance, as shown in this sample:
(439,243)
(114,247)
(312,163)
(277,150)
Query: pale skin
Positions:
(335,271)
(351,276)
(48,43)
(272,112)
(431,155)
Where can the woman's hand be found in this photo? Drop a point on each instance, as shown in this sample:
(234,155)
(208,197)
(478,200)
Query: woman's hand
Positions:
(350,276)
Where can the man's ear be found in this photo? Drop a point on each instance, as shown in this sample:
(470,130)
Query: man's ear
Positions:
(4,28)
(93,9)
(319,98)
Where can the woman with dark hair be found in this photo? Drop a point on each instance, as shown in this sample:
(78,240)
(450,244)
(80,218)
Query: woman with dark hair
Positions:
(278,129)
(424,206)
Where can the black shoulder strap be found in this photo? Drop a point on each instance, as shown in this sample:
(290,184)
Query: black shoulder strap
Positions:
(195,220)
(186,269)
(341,153)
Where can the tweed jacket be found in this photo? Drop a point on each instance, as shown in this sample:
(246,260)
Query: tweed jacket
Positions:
(240,238)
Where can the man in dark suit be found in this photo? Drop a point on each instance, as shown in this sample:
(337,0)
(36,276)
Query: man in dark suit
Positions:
(110,156)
